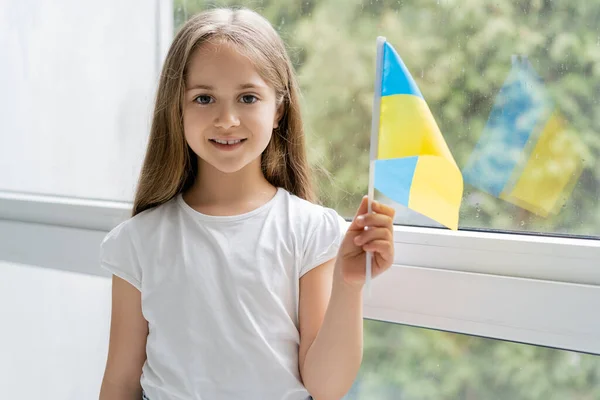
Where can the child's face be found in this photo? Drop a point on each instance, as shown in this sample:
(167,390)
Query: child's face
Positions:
(229,111)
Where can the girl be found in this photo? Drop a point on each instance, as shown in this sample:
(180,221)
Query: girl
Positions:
(226,282)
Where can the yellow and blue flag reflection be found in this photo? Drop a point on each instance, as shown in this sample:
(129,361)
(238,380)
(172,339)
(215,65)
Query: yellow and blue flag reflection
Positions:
(526,155)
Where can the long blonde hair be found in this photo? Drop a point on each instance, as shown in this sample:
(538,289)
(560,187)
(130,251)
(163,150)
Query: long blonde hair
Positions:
(170,164)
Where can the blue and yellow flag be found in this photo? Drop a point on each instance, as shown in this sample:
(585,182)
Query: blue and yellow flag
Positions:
(526,154)
(412,163)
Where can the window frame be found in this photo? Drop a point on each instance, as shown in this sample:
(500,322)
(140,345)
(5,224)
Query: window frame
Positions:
(504,286)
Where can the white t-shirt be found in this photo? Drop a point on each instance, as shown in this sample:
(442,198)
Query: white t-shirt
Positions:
(220,294)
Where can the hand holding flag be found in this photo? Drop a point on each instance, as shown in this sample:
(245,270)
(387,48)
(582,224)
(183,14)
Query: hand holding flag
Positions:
(372,232)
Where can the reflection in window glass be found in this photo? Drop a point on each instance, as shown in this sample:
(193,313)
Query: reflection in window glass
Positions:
(408,363)
(513,86)
(77,82)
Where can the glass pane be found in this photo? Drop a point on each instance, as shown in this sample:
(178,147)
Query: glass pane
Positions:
(77,83)
(408,363)
(512,85)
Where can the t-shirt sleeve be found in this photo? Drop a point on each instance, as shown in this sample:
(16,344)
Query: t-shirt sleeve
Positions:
(323,241)
(119,256)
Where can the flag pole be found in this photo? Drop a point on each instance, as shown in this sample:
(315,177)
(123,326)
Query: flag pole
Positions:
(374,144)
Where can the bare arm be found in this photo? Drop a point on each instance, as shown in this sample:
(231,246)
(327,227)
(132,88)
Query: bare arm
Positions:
(331,333)
(127,345)
(331,311)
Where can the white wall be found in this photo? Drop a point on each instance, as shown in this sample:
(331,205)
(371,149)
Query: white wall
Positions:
(54,335)
(77,83)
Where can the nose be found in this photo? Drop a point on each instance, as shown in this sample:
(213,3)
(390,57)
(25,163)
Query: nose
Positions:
(227,117)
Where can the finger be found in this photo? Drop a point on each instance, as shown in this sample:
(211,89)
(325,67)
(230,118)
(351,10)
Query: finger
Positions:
(382,248)
(383,209)
(375,220)
(380,265)
(373,234)
(363,208)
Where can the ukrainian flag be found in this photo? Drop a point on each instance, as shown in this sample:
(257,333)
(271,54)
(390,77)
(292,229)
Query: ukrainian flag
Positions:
(410,161)
(526,154)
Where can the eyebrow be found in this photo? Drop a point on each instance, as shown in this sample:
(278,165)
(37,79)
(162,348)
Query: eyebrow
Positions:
(241,87)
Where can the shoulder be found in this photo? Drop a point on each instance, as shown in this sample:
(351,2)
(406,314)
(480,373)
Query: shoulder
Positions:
(320,230)
(121,250)
(131,233)
(309,216)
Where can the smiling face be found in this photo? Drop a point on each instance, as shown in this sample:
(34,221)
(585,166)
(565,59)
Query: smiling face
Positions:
(229,111)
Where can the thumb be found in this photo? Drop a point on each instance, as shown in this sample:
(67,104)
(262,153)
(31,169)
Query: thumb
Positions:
(363,208)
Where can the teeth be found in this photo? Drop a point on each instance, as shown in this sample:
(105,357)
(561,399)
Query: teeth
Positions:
(227,141)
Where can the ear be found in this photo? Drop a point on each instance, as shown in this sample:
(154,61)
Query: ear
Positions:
(278,115)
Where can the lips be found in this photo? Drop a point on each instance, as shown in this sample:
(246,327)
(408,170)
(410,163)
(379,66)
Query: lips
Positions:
(227,141)
(227,144)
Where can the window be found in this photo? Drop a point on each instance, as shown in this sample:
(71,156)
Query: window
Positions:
(415,363)
(512,85)
(502,81)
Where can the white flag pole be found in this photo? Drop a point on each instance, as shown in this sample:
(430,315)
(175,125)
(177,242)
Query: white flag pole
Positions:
(374,144)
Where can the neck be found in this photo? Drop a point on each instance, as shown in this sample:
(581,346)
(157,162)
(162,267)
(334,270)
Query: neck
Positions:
(216,192)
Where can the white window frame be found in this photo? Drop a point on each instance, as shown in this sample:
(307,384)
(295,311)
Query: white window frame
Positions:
(531,289)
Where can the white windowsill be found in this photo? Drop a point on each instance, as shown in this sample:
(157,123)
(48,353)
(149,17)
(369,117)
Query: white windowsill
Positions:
(62,211)
(516,255)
